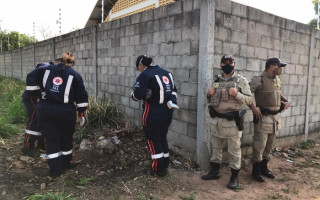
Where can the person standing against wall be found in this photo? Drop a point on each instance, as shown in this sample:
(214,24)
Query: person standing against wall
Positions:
(32,132)
(229,92)
(155,86)
(61,87)
(269,104)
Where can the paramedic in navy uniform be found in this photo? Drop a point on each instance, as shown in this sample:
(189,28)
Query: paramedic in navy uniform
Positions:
(155,86)
(61,86)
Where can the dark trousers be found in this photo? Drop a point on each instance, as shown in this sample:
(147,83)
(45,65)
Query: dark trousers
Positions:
(156,130)
(57,123)
(32,132)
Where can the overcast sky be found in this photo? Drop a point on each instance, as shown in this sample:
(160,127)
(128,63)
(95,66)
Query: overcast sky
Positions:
(19,15)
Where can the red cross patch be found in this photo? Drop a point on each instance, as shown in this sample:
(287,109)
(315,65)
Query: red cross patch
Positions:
(165,79)
(57,80)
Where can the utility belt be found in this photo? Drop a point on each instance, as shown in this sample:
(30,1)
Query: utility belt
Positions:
(266,111)
(237,116)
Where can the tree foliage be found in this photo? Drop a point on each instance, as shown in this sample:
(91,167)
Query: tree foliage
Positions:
(313,22)
(14,39)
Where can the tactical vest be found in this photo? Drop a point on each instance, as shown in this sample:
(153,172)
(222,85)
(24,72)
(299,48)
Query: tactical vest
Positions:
(269,93)
(221,100)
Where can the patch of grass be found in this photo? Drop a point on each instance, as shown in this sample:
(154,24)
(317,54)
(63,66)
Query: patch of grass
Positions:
(142,197)
(190,197)
(276,196)
(286,190)
(283,179)
(85,181)
(306,145)
(12,111)
(50,196)
(295,191)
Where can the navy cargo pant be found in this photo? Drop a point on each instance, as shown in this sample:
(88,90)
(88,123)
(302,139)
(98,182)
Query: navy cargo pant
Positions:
(32,133)
(156,120)
(57,123)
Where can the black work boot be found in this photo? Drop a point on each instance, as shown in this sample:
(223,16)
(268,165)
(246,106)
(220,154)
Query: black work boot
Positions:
(233,183)
(264,169)
(213,173)
(256,172)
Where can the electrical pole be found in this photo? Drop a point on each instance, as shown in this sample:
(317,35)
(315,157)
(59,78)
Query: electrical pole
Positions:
(318,21)
(19,40)
(8,43)
(34,32)
(60,32)
(1,46)
(102,13)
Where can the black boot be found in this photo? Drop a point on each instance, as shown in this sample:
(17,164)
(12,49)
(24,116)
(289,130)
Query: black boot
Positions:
(264,169)
(256,172)
(214,172)
(233,183)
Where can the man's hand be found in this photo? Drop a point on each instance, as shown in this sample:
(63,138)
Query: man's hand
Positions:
(233,91)
(286,105)
(211,92)
(256,112)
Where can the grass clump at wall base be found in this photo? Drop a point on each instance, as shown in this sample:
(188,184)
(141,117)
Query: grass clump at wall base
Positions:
(100,114)
(12,111)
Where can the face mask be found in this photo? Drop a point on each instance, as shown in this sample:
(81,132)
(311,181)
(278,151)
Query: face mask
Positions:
(227,69)
(278,71)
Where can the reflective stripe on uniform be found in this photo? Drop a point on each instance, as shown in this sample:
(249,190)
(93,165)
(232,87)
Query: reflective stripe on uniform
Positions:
(157,156)
(31,88)
(66,152)
(171,80)
(53,155)
(32,132)
(45,78)
(166,155)
(67,91)
(174,93)
(161,89)
(82,105)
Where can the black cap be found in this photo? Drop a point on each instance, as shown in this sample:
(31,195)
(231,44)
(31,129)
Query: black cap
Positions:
(275,60)
(227,57)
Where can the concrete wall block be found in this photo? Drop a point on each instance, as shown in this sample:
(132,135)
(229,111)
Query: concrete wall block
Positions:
(175,8)
(160,12)
(187,5)
(253,65)
(173,36)
(239,9)
(179,126)
(134,40)
(188,89)
(182,75)
(129,30)
(300,120)
(267,18)
(222,34)
(159,37)
(305,39)
(254,14)
(147,38)
(166,23)
(173,61)
(147,15)
(263,29)
(153,26)
(140,50)
(124,61)
(189,62)
(182,48)
(218,47)
(294,58)
(223,6)
(291,25)
(303,59)
(247,51)
(261,53)
(159,60)
(304,28)
(275,53)
(239,37)
(153,50)
(166,49)
(231,48)
(254,39)
(136,18)
(190,33)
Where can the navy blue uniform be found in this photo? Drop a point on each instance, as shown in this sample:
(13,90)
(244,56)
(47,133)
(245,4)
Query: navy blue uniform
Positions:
(32,132)
(156,117)
(56,111)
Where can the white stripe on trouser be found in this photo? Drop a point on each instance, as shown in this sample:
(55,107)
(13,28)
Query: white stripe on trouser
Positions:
(82,105)
(31,88)
(171,80)
(161,89)
(166,155)
(53,155)
(33,132)
(45,78)
(67,91)
(156,156)
(66,152)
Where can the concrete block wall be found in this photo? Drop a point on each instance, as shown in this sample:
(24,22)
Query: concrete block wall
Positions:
(253,36)
(2,66)
(27,60)
(170,35)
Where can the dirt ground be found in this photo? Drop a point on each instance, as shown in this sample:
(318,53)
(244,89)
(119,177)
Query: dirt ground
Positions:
(121,175)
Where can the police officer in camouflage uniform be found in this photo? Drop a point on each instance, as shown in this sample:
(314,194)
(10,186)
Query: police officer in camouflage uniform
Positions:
(229,92)
(269,104)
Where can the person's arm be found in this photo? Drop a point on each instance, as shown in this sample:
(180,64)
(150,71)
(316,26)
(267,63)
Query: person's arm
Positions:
(286,102)
(33,82)
(81,96)
(140,87)
(244,96)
